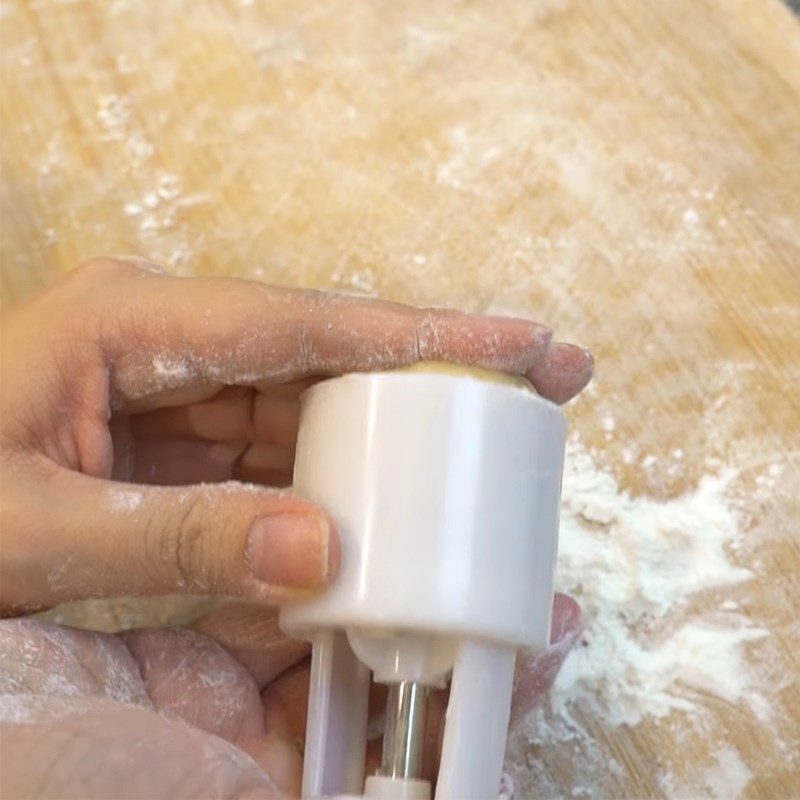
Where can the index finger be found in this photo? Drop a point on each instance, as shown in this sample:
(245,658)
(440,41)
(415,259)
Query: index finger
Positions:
(170,333)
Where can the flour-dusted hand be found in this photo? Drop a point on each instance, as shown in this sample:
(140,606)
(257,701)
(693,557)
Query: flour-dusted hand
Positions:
(141,418)
(134,404)
(217,711)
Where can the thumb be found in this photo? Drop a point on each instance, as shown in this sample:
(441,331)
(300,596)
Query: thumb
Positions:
(84,537)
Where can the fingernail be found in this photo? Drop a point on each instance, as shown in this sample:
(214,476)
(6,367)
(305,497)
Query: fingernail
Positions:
(568,358)
(291,551)
(563,372)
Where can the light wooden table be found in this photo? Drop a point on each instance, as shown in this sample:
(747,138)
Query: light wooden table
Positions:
(628,172)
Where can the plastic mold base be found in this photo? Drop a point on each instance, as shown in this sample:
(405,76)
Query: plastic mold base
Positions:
(445,490)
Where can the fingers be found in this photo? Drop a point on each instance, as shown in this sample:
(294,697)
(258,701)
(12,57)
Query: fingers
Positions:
(201,333)
(563,372)
(535,674)
(240,433)
(42,658)
(250,632)
(285,702)
(70,695)
(191,677)
(78,537)
(178,462)
(77,747)
(236,414)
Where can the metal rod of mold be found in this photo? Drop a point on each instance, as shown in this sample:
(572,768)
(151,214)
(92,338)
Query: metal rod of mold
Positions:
(404,733)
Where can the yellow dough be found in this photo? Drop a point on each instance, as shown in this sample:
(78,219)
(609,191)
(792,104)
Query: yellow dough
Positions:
(463,371)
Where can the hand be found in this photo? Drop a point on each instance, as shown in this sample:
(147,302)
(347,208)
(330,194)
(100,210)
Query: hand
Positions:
(173,714)
(121,376)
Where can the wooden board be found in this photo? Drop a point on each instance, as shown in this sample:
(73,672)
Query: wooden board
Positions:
(627,172)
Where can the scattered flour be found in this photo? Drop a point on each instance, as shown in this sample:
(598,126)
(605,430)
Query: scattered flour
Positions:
(113,114)
(637,566)
(362,281)
(690,217)
(727,777)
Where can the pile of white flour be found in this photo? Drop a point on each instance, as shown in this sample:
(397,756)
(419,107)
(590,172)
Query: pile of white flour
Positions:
(637,566)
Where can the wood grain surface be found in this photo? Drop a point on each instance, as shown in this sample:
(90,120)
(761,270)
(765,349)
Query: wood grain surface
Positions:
(628,172)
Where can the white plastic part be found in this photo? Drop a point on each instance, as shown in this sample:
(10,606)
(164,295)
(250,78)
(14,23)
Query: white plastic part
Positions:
(383,788)
(445,492)
(336,725)
(477,721)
